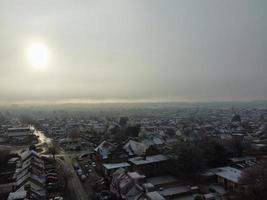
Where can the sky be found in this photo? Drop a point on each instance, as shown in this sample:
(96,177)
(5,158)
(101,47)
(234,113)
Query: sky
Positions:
(133,50)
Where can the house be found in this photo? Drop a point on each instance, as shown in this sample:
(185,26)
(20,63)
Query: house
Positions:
(25,194)
(126,185)
(162,181)
(18,132)
(170,187)
(109,168)
(134,148)
(102,153)
(228,177)
(29,179)
(108,153)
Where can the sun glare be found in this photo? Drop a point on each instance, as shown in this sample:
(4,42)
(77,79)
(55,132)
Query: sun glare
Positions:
(38,55)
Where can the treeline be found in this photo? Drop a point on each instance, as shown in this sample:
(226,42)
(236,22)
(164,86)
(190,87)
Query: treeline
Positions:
(191,158)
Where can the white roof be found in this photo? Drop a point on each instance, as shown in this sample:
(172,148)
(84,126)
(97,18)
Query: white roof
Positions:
(28,153)
(135,148)
(19,129)
(116,165)
(229,173)
(148,159)
(17,195)
(154,196)
(105,149)
(135,175)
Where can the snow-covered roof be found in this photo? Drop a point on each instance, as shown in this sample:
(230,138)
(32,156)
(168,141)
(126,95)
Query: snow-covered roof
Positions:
(17,195)
(135,175)
(18,129)
(135,148)
(229,173)
(105,149)
(110,166)
(148,159)
(154,196)
(25,154)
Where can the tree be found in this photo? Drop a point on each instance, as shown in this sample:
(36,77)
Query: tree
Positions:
(4,156)
(214,153)
(123,121)
(189,160)
(52,151)
(255,183)
(74,134)
(120,136)
(132,131)
(236,147)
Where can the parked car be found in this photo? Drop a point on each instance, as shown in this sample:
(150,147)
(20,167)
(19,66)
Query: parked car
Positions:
(76,166)
(79,172)
(57,198)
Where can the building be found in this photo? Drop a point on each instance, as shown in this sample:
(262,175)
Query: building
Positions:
(149,165)
(228,177)
(29,179)
(19,132)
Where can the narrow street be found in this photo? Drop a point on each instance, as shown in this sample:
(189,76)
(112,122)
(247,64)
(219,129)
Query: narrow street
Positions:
(75,186)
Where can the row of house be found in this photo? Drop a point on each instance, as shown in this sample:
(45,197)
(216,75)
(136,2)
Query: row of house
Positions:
(29,178)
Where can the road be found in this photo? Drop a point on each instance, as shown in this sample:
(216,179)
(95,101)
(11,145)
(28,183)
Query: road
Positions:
(75,186)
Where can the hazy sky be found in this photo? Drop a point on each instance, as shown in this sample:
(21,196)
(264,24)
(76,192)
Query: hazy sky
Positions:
(184,50)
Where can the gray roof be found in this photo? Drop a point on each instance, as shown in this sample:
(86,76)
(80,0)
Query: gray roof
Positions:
(161,180)
(176,190)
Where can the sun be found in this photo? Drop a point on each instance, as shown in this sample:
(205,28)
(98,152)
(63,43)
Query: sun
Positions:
(38,54)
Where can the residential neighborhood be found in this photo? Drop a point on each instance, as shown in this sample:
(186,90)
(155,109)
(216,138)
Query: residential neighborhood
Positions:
(185,153)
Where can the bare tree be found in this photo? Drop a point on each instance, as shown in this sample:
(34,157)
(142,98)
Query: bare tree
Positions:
(255,183)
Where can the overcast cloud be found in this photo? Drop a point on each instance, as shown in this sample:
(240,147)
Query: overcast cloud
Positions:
(138,50)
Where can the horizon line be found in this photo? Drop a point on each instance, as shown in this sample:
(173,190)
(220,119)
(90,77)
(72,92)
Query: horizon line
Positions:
(109,102)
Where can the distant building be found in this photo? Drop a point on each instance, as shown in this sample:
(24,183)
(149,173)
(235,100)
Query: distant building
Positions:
(19,132)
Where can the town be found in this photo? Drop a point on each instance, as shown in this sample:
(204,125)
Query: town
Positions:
(138,153)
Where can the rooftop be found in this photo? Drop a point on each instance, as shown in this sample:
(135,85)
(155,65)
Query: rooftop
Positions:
(154,196)
(110,166)
(229,173)
(148,159)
